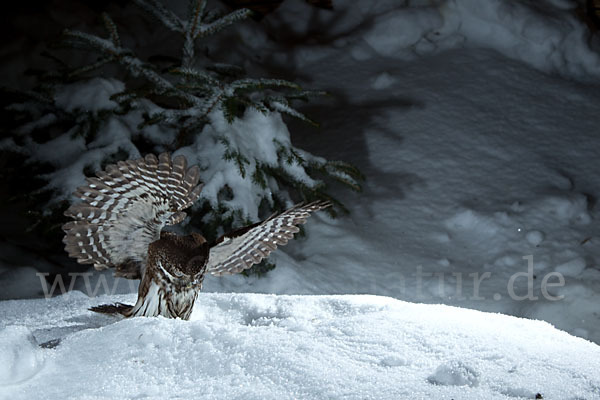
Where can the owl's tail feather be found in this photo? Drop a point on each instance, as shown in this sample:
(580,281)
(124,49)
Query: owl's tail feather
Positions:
(116,308)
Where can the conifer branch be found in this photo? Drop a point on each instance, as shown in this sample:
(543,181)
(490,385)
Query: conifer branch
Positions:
(111,28)
(281,105)
(195,75)
(262,83)
(222,23)
(165,16)
(197,9)
(306,95)
(28,95)
(87,68)
(235,156)
(133,64)
(189,50)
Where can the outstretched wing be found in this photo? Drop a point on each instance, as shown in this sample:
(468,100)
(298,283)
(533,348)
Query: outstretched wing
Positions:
(240,249)
(125,208)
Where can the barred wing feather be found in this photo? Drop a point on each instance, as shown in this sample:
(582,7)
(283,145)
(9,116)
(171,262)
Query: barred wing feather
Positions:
(239,250)
(126,206)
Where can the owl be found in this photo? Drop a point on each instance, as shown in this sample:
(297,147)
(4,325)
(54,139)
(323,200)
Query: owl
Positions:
(119,225)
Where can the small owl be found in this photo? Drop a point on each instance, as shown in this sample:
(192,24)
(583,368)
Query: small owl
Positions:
(119,225)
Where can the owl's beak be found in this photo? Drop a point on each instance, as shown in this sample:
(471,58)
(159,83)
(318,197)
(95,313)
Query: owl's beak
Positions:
(193,284)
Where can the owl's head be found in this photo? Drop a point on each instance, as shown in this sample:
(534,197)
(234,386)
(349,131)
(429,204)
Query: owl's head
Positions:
(198,254)
(183,258)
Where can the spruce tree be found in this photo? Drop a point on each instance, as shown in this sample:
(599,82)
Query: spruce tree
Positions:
(79,119)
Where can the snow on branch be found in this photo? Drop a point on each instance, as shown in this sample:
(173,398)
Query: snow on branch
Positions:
(281,105)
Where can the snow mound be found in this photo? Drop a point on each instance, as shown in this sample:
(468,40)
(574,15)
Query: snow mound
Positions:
(278,347)
(454,373)
(399,29)
(20,357)
(544,34)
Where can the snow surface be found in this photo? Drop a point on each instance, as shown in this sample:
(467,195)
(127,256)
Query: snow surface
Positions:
(249,346)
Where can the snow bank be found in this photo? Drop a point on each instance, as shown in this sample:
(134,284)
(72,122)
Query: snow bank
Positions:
(544,34)
(280,347)
(400,29)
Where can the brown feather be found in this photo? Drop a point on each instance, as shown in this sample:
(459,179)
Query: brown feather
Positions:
(124,208)
(244,247)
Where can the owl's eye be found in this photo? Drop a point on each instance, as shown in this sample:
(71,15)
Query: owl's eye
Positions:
(178,273)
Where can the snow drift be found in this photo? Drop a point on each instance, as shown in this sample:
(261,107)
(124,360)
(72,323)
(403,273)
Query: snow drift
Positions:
(242,346)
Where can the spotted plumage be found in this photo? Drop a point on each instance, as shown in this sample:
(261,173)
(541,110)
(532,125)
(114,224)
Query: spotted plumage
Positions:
(119,225)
